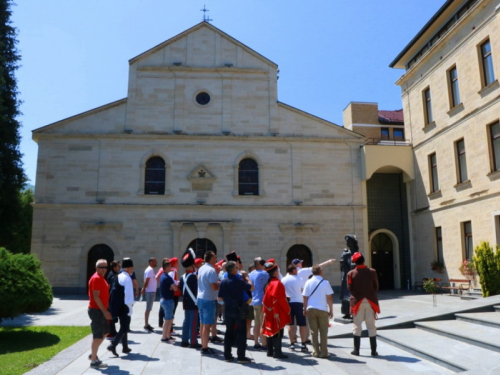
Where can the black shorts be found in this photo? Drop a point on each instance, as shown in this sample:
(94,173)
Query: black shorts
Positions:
(297,314)
(98,323)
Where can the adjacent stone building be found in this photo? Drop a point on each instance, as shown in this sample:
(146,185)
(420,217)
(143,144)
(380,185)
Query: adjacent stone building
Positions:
(200,153)
(451,102)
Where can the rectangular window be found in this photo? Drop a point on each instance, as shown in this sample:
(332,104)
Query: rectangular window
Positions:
(467,231)
(461,163)
(399,134)
(384,133)
(453,84)
(494,130)
(428,106)
(433,173)
(439,245)
(487,63)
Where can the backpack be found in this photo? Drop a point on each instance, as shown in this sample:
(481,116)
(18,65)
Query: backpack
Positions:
(116,298)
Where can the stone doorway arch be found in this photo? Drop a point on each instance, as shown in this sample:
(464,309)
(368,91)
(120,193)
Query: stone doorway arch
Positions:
(299,251)
(384,253)
(100,251)
(201,246)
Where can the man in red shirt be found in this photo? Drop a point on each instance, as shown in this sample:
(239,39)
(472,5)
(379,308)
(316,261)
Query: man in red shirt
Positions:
(98,310)
(362,283)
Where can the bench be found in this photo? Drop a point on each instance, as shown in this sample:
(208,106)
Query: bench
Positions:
(460,285)
(420,284)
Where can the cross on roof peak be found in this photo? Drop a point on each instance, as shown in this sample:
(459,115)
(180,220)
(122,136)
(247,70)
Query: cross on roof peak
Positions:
(205,15)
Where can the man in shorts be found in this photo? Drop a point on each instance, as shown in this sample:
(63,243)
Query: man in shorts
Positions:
(293,288)
(98,310)
(167,290)
(259,279)
(208,286)
(149,291)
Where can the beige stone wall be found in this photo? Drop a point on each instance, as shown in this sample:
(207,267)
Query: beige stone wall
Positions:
(477,199)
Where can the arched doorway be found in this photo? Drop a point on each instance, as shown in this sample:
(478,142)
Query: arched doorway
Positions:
(97,252)
(382,250)
(201,246)
(299,252)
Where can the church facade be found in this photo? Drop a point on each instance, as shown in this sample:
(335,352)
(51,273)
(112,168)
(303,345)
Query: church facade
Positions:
(200,153)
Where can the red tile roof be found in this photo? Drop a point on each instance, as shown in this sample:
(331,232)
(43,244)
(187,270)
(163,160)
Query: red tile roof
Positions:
(391,117)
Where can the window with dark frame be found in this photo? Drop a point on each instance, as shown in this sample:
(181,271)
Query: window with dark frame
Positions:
(454,91)
(248,177)
(439,245)
(428,106)
(487,63)
(495,145)
(154,181)
(433,173)
(384,133)
(461,160)
(468,247)
(399,134)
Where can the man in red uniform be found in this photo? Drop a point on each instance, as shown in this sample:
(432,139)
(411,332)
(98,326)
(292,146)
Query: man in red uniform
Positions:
(98,310)
(276,312)
(362,283)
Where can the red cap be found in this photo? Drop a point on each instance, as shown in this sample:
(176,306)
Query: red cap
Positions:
(173,261)
(198,261)
(271,260)
(356,256)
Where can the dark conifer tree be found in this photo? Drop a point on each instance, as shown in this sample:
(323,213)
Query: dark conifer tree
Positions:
(12,177)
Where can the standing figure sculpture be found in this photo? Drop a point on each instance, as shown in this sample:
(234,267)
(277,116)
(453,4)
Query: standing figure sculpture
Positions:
(346,266)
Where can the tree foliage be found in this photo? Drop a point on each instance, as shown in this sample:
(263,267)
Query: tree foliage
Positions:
(488,268)
(12,177)
(24,289)
(21,242)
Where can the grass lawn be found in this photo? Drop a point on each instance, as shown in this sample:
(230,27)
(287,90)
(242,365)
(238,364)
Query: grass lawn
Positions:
(24,348)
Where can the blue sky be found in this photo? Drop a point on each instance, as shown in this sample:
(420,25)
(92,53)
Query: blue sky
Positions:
(330,52)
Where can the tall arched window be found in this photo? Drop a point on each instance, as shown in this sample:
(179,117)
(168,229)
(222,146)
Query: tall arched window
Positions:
(248,177)
(154,182)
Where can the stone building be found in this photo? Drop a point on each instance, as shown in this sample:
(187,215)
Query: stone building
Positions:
(451,102)
(200,153)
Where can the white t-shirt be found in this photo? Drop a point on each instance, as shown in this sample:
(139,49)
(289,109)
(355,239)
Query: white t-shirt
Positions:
(125,280)
(304,274)
(150,274)
(318,299)
(293,287)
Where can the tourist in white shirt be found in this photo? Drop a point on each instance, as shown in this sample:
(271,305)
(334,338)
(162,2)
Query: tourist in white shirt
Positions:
(318,307)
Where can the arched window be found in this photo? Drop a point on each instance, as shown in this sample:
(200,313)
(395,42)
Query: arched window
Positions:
(248,177)
(154,182)
(201,246)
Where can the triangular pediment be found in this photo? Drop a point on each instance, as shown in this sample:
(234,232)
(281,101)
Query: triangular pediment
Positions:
(201,174)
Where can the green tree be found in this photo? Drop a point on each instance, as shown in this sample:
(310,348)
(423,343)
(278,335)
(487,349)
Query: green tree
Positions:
(12,177)
(488,267)
(21,242)
(24,289)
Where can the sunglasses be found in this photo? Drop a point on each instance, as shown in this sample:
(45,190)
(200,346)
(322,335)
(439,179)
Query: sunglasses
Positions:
(102,267)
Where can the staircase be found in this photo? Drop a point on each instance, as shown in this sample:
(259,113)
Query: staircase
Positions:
(472,294)
(469,342)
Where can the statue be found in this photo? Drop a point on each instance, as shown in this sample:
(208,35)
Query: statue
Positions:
(345,267)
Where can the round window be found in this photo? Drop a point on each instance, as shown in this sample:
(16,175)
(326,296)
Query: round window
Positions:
(202,98)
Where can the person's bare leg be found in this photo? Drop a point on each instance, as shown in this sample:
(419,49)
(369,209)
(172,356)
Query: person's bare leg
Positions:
(94,347)
(249,330)
(167,327)
(205,335)
(291,333)
(303,333)
(146,318)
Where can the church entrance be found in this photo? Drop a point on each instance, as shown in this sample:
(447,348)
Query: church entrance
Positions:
(201,246)
(97,252)
(383,260)
(301,252)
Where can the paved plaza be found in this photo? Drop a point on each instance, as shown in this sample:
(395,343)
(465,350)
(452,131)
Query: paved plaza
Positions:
(150,356)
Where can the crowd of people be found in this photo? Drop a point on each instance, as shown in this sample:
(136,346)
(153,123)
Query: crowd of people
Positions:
(213,289)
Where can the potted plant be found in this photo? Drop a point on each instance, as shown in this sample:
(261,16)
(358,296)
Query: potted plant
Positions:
(431,287)
(437,266)
(468,269)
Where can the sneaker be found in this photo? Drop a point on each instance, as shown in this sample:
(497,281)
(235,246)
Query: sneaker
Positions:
(195,346)
(303,348)
(98,364)
(244,360)
(168,340)
(149,328)
(308,342)
(184,344)
(215,339)
(229,359)
(126,350)
(208,351)
(257,346)
(112,349)
(292,346)
(264,347)
(90,357)
(280,356)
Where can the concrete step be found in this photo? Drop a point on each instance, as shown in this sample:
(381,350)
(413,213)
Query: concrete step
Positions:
(471,333)
(497,308)
(452,354)
(490,319)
